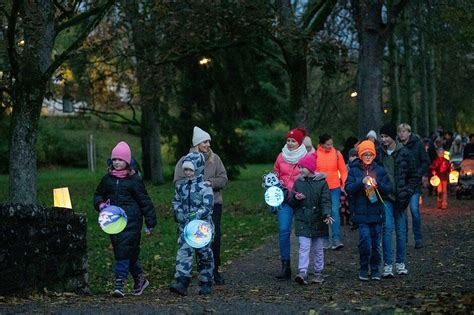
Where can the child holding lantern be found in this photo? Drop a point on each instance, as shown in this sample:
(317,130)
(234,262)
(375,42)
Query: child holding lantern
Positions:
(367,182)
(441,168)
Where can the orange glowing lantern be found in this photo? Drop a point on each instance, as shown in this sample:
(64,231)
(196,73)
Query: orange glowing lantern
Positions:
(453,177)
(435,181)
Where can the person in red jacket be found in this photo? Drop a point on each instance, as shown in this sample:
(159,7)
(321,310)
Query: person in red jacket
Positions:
(441,167)
(331,163)
(286,168)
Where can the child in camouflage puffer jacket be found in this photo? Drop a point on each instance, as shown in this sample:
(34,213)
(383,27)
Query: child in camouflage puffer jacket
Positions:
(193,200)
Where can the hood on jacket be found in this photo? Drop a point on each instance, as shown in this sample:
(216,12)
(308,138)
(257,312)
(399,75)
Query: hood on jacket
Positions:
(197,159)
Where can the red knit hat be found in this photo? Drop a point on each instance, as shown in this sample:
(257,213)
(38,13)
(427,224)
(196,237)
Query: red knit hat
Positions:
(308,161)
(122,151)
(298,134)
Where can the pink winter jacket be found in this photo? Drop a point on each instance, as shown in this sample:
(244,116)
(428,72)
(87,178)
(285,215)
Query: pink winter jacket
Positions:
(287,173)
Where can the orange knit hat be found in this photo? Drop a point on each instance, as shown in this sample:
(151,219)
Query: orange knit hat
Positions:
(366,146)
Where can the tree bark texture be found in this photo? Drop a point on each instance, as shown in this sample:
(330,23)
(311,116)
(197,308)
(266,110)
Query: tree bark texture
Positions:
(28,93)
(432,97)
(372,39)
(410,81)
(148,78)
(425,121)
(395,95)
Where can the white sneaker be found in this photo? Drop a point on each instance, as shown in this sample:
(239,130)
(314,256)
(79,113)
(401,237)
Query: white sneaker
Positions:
(401,270)
(387,271)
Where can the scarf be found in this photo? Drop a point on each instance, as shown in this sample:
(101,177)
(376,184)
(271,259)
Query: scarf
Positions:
(121,174)
(292,157)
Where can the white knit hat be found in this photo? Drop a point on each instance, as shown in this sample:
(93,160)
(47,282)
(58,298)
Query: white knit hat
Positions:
(188,164)
(199,136)
(372,134)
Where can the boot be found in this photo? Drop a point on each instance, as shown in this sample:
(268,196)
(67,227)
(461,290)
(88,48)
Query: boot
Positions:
(118,288)
(218,278)
(180,286)
(285,273)
(205,288)
(140,284)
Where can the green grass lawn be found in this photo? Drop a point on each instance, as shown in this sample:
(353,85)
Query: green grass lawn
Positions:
(246,220)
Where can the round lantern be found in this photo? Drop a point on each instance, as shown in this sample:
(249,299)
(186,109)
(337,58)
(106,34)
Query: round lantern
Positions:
(435,181)
(274,196)
(198,233)
(112,220)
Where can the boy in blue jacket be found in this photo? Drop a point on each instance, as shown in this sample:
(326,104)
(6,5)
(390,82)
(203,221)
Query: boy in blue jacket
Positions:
(367,183)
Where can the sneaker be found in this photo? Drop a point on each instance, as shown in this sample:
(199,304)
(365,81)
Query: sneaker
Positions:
(375,275)
(387,271)
(401,270)
(301,278)
(118,288)
(180,286)
(141,283)
(337,245)
(363,275)
(326,244)
(318,278)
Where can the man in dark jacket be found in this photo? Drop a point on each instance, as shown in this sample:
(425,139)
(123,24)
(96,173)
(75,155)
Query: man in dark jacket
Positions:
(422,162)
(401,170)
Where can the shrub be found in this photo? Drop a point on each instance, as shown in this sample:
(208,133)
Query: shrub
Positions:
(263,145)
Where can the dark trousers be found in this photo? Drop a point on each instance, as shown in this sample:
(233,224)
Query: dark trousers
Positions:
(123,267)
(216,243)
(370,253)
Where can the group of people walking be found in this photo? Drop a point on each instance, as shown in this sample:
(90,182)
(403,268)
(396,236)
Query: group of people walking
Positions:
(199,178)
(381,181)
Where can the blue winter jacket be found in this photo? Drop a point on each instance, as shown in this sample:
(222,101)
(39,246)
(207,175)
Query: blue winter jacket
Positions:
(365,211)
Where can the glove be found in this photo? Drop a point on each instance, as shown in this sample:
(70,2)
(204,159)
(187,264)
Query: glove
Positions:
(192,216)
(103,205)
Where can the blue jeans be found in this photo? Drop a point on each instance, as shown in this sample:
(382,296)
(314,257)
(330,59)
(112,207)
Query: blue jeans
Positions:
(336,203)
(393,219)
(416,218)
(285,218)
(122,267)
(370,236)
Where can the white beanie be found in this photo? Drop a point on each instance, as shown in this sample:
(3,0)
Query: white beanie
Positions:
(188,164)
(199,136)
(372,134)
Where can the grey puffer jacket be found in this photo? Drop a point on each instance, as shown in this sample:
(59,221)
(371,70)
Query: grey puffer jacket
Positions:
(193,198)
(311,211)
(214,172)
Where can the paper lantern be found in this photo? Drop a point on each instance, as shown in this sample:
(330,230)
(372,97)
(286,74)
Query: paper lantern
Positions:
(453,177)
(274,196)
(435,181)
(112,220)
(198,233)
(61,198)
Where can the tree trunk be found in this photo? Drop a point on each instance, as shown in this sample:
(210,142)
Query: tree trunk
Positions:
(395,79)
(28,93)
(410,80)
(425,121)
(432,98)
(149,88)
(369,69)
(295,55)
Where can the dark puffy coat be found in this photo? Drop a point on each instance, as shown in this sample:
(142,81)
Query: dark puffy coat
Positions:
(422,160)
(129,194)
(312,210)
(364,211)
(404,177)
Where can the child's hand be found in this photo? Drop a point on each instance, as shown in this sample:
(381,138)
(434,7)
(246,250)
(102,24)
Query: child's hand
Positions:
(299,196)
(192,216)
(329,220)
(103,205)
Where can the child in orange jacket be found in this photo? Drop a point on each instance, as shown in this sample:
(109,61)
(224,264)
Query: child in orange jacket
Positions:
(441,168)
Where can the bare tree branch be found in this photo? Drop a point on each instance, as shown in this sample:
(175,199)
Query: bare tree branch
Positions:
(81,17)
(100,13)
(104,114)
